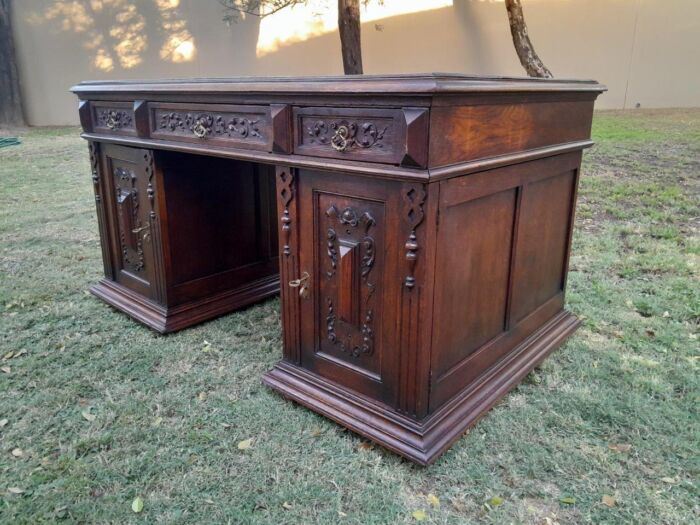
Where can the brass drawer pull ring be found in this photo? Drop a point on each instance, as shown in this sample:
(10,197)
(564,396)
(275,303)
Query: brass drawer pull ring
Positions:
(339,141)
(199,130)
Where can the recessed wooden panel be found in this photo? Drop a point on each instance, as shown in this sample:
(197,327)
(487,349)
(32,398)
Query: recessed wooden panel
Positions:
(350,241)
(473,259)
(543,236)
(129,189)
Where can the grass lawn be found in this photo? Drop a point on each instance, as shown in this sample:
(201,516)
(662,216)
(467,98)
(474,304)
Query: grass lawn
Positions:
(96,410)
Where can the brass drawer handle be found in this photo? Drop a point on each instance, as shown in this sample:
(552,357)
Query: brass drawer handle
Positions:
(339,140)
(199,130)
(303,284)
(111,122)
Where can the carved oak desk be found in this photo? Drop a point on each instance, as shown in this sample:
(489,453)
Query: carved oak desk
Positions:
(424,227)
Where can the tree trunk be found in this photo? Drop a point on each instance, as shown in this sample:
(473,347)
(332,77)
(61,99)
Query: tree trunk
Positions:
(521,40)
(10,98)
(349,28)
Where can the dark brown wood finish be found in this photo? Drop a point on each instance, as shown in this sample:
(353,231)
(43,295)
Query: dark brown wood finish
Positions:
(423,225)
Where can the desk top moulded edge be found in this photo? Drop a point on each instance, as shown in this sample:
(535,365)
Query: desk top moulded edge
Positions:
(434,83)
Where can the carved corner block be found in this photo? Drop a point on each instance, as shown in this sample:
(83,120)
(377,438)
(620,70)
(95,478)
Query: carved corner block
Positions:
(416,147)
(84,114)
(281,117)
(141,119)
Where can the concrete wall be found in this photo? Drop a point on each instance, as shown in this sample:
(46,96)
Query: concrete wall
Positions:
(645,51)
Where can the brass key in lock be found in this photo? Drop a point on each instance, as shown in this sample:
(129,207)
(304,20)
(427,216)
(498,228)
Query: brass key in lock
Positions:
(303,284)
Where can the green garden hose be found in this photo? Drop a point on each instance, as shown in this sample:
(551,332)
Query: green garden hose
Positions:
(8,141)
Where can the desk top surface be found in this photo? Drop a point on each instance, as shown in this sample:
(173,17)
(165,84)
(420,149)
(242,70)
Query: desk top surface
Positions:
(412,84)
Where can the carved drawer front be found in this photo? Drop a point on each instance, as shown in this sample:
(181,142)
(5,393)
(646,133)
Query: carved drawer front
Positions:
(391,136)
(114,118)
(246,127)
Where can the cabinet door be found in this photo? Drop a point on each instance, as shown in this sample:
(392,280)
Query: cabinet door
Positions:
(349,249)
(128,180)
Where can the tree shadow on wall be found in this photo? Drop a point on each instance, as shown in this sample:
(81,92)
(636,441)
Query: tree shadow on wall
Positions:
(125,41)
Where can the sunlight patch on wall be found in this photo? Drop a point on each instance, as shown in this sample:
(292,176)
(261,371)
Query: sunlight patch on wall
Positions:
(179,43)
(128,32)
(318,17)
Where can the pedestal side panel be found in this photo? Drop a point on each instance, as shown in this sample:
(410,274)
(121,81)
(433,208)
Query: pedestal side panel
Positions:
(542,248)
(474,261)
(502,254)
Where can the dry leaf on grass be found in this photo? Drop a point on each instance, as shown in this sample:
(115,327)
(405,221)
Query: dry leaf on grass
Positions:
(137,504)
(495,501)
(608,501)
(245,444)
(433,500)
(620,447)
(286,505)
(419,515)
(15,490)
(6,369)
(3,422)
(88,416)
(17,452)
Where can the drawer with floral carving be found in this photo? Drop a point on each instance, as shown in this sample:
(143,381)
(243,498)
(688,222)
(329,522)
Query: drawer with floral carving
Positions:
(391,136)
(240,126)
(114,118)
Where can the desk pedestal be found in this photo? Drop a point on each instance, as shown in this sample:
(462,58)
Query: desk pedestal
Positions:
(416,307)
(184,238)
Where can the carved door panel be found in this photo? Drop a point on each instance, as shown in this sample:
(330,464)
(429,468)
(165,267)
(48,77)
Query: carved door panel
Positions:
(129,183)
(349,254)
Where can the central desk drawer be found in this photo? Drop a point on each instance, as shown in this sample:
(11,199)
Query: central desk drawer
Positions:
(373,135)
(238,126)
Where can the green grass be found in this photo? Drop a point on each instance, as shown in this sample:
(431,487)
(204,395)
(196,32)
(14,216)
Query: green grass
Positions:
(170,411)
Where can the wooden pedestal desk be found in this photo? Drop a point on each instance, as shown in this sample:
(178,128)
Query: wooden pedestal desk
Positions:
(424,227)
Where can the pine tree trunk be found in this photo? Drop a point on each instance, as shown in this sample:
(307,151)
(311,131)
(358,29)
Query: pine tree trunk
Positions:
(10,97)
(349,28)
(523,47)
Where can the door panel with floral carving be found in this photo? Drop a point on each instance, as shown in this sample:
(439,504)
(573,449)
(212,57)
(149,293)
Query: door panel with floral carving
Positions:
(128,175)
(347,251)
